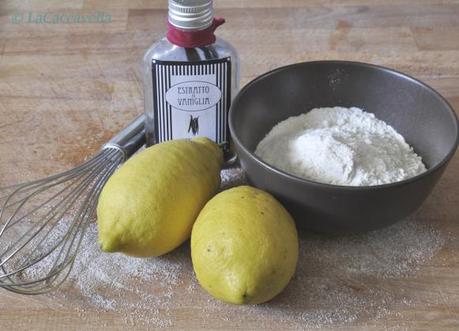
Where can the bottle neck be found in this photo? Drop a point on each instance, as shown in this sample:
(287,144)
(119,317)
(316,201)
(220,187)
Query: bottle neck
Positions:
(194,38)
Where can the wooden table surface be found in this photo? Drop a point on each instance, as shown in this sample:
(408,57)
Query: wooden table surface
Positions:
(66,88)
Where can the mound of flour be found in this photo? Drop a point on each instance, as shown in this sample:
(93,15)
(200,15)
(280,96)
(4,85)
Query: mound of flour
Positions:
(341,146)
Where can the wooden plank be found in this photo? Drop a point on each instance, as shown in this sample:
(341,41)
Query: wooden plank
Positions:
(65,89)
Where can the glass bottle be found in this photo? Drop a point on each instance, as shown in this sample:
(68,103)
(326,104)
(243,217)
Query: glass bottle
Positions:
(190,77)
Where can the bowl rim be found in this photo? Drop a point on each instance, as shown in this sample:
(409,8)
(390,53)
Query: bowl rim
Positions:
(282,173)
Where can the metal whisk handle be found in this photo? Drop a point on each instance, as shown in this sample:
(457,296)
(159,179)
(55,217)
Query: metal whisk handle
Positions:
(130,139)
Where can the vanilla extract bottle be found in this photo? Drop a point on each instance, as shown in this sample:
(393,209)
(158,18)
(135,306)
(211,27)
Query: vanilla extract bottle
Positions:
(190,76)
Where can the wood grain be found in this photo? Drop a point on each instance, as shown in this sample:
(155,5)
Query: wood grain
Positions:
(66,88)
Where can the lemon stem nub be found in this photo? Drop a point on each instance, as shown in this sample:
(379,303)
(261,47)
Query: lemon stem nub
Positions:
(108,246)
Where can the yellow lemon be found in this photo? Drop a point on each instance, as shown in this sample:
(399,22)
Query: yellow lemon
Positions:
(149,205)
(244,246)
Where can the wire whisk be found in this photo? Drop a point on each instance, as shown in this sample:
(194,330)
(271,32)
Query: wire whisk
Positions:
(43,222)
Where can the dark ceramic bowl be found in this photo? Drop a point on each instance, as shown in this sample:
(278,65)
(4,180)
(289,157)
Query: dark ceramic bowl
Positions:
(415,110)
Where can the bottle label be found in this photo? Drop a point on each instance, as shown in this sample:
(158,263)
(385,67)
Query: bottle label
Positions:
(192,99)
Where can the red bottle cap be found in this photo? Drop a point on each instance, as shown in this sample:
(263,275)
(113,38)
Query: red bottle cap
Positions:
(196,38)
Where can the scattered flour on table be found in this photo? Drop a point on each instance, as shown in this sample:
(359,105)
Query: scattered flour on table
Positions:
(343,146)
(338,280)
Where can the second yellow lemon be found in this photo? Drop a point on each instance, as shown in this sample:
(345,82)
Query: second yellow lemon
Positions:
(244,246)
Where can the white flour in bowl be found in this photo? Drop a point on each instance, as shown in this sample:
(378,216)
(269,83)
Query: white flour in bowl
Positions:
(341,146)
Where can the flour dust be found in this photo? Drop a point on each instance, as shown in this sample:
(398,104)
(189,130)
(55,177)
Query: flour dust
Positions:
(338,280)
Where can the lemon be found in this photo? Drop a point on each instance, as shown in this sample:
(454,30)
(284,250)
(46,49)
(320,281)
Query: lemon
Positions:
(244,246)
(149,205)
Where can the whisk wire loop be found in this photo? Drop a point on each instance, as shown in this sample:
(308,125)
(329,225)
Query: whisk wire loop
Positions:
(43,222)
